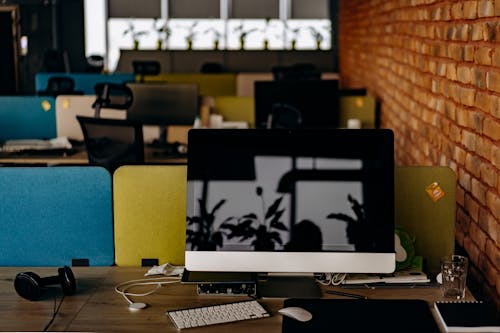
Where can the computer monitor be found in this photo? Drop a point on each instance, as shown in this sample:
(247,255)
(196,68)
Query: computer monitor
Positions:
(290,201)
(164,104)
(316,102)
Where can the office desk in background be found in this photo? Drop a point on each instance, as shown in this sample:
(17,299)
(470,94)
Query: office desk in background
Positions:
(97,307)
(151,155)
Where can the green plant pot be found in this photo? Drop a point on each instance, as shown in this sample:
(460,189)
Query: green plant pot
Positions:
(135,45)
(159,44)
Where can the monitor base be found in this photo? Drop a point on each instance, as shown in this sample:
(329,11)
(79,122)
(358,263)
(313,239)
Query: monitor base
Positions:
(288,287)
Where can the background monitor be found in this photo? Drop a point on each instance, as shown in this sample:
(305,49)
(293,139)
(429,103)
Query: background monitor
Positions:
(164,104)
(297,201)
(317,101)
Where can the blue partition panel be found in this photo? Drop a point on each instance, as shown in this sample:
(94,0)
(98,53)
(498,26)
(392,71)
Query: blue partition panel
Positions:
(27,117)
(84,82)
(54,216)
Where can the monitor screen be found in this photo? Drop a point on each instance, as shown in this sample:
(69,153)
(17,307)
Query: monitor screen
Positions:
(314,102)
(283,200)
(163,103)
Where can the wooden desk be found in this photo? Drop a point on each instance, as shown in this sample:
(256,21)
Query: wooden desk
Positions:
(97,307)
(151,156)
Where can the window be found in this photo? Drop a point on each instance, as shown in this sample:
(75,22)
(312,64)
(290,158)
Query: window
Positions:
(228,31)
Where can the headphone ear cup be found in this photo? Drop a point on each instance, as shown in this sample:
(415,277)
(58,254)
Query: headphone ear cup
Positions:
(67,280)
(27,286)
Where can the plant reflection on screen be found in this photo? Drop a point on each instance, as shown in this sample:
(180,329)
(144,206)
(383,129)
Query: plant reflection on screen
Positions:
(263,233)
(356,227)
(202,237)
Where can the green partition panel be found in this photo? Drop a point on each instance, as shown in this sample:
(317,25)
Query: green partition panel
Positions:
(359,107)
(428,218)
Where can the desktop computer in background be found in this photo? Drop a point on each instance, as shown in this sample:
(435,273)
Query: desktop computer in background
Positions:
(164,105)
(291,201)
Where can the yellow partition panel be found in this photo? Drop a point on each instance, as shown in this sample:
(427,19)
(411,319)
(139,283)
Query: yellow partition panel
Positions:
(425,206)
(236,108)
(359,107)
(149,214)
(216,84)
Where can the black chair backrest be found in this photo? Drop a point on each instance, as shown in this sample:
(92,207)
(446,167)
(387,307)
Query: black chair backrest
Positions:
(113,96)
(59,85)
(111,143)
(146,67)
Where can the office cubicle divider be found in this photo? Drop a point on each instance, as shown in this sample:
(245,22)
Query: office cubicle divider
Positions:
(56,216)
(425,207)
(27,117)
(149,214)
(84,82)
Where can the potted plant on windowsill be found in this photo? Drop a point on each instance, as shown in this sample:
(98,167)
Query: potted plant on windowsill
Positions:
(135,35)
(318,37)
(163,33)
(217,36)
(243,34)
(190,37)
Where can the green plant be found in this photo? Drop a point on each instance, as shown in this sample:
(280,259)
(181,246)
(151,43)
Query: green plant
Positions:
(217,36)
(243,34)
(200,232)
(263,233)
(190,37)
(135,34)
(163,31)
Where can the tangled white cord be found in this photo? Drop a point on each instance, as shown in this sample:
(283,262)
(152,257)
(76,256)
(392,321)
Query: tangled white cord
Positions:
(333,279)
(158,282)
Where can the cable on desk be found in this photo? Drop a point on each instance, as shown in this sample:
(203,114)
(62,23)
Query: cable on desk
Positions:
(158,282)
(333,279)
(55,312)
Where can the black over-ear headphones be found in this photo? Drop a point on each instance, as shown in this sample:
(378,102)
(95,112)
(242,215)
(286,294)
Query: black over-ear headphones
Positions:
(31,286)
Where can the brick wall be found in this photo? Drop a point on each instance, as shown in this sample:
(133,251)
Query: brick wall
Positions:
(435,65)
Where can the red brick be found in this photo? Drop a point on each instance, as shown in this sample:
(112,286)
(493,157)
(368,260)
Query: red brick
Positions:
(483,55)
(496,56)
(478,236)
(469,51)
(470,9)
(464,74)
(493,202)
(493,81)
(493,253)
(484,147)
(488,175)
(497,13)
(478,190)
(485,8)
(491,128)
(477,32)
(464,181)
(472,165)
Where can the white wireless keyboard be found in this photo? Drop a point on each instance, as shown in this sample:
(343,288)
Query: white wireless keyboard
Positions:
(217,314)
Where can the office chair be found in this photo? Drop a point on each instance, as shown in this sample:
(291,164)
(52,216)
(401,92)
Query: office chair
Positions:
(112,96)
(146,67)
(284,116)
(59,85)
(111,143)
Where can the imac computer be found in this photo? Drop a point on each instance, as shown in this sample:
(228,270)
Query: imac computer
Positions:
(297,104)
(290,201)
(164,104)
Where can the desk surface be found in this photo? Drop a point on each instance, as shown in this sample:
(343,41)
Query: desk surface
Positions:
(151,156)
(96,307)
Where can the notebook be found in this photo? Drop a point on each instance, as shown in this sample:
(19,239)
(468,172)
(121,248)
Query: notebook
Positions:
(362,315)
(467,316)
